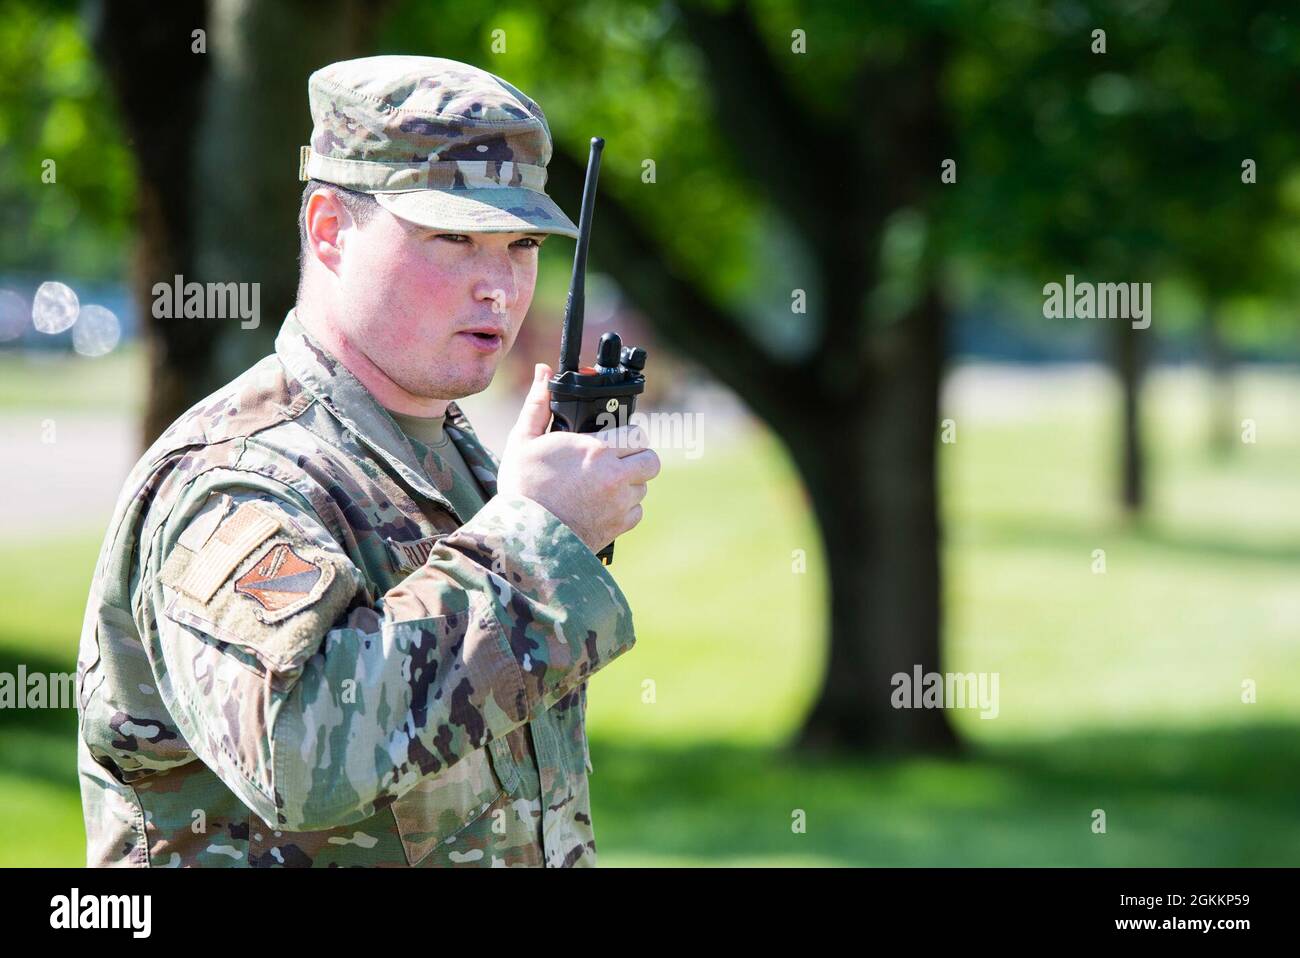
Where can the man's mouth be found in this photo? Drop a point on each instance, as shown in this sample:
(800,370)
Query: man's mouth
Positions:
(482,340)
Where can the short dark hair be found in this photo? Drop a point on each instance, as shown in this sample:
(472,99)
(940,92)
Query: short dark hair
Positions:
(360,206)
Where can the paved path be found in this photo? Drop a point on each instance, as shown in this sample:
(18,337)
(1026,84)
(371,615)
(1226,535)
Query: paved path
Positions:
(67,485)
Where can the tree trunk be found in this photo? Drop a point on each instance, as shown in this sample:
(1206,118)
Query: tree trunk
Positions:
(1129,361)
(146,52)
(255,118)
(216,136)
(858,416)
(870,468)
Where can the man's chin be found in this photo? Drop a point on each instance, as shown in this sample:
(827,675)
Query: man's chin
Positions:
(459,388)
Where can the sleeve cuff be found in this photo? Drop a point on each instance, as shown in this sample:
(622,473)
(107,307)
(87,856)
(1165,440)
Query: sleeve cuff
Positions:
(572,598)
(529,542)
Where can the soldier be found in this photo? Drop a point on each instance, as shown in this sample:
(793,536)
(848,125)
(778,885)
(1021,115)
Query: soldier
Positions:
(327,626)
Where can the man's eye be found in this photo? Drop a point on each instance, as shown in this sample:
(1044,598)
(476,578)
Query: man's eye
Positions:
(462,238)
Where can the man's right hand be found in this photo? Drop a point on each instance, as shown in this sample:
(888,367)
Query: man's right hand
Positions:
(593,482)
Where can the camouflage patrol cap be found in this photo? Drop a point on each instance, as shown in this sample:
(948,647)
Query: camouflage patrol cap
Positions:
(437,142)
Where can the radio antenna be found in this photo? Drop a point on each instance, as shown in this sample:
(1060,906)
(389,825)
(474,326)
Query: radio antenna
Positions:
(571,335)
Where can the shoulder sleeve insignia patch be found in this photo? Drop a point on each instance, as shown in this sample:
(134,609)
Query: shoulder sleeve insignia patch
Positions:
(262,583)
(279,579)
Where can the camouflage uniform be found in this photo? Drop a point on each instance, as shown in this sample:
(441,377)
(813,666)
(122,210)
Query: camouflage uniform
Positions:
(297,652)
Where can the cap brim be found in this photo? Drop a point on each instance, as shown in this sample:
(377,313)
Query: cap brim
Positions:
(503,209)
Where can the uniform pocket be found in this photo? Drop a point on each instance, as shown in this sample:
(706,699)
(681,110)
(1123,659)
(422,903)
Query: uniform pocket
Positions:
(443,805)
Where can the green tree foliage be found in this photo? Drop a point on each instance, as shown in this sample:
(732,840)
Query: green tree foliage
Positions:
(54,107)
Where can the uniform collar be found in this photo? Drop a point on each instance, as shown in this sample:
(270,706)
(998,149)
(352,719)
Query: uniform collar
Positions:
(352,404)
(477,456)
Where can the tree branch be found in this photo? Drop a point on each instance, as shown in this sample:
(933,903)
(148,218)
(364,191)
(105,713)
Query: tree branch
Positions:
(754,107)
(688,320)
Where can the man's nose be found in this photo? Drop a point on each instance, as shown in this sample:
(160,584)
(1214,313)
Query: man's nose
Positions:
(497,285)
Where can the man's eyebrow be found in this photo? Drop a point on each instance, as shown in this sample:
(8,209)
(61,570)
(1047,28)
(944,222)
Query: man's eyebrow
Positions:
(435,229)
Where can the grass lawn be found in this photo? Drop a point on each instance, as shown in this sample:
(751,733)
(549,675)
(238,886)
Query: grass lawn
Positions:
(58,381)
(1118,691)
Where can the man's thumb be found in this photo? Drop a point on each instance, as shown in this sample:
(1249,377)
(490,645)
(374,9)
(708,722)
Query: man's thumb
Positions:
(536,414)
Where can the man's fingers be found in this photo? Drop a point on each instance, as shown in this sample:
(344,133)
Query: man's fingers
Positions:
(535,415)
(625,440)
(640,467)
(637,491)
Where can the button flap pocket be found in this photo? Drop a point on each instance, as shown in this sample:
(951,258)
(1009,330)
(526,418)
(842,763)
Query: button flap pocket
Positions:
(441,806)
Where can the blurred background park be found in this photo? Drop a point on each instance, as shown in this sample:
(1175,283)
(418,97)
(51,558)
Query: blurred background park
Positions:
(832,225)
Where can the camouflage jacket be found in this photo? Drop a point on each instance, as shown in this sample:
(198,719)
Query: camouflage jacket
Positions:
(296,653)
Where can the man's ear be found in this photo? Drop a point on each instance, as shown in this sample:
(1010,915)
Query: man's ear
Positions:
(326,221)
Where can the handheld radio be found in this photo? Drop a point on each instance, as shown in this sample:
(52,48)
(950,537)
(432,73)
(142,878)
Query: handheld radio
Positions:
(592,398)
